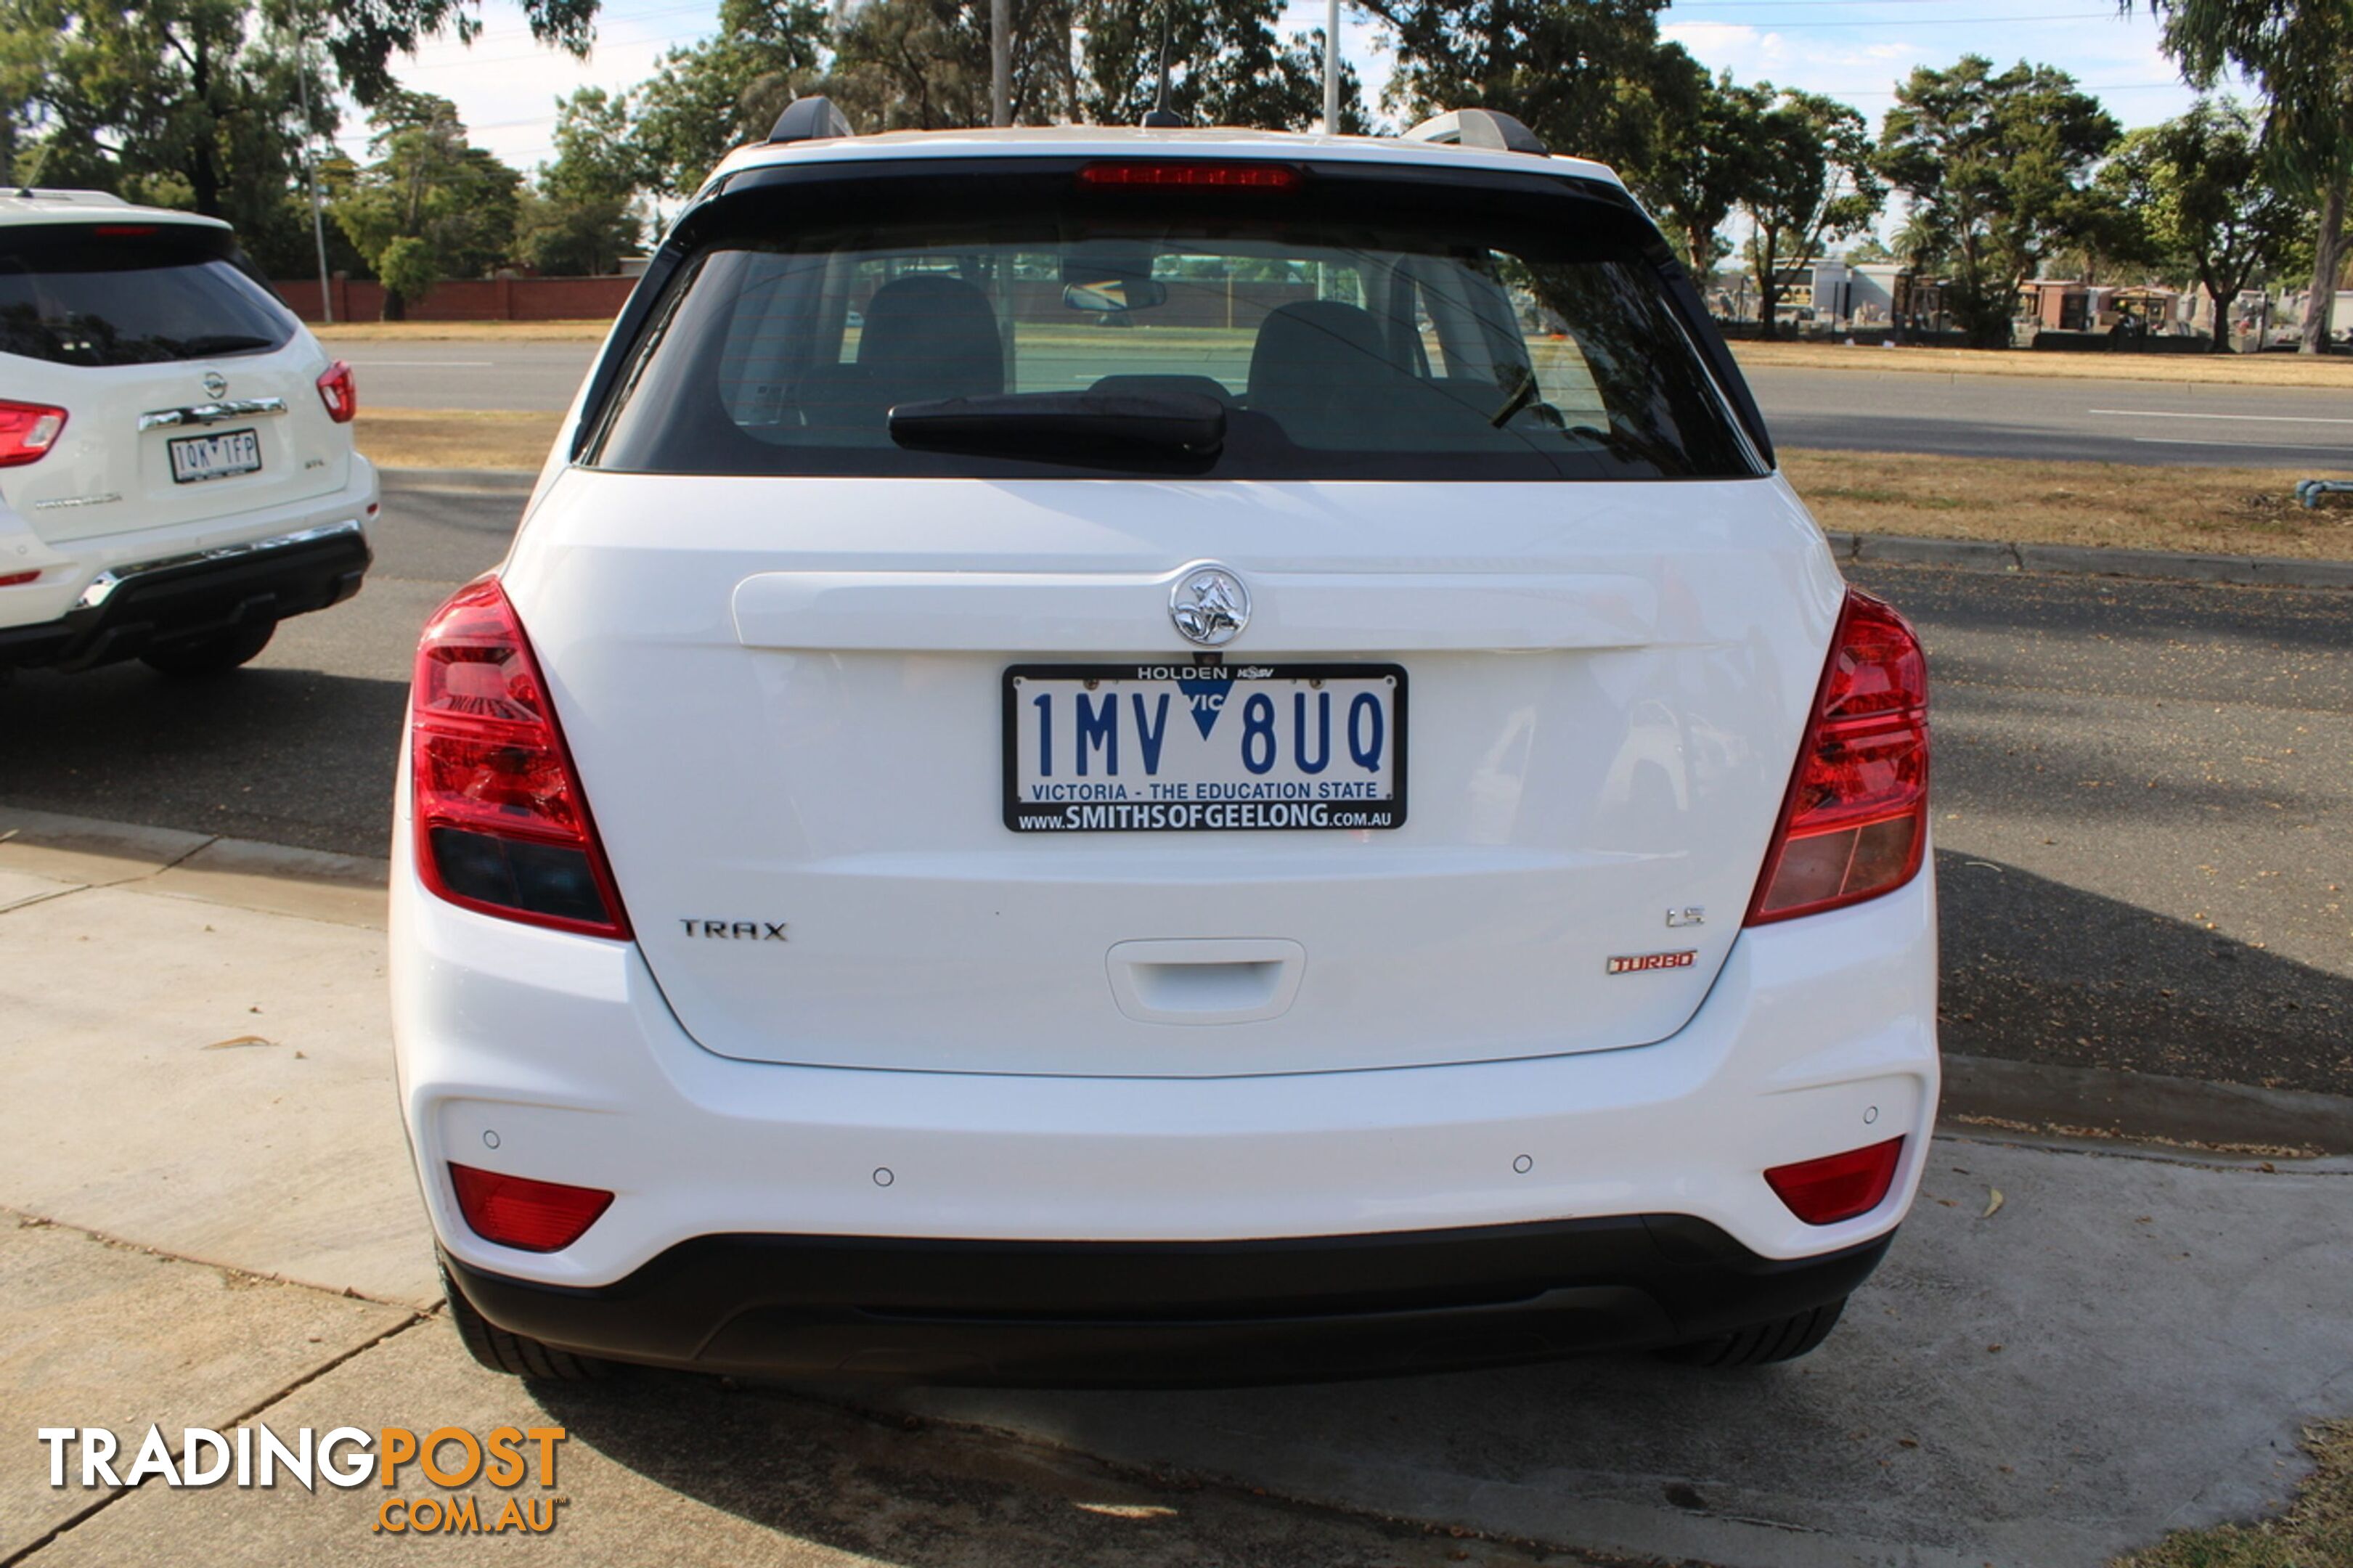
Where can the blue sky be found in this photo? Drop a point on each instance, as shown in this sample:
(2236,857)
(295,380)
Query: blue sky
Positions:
(505,86)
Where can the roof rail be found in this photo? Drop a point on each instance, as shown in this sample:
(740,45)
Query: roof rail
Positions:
(1484,128)
(812,118)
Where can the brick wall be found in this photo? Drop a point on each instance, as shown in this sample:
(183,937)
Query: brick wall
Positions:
(470,299)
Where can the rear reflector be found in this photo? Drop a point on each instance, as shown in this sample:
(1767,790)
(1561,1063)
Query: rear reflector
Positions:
(500,824)
(338,391)
(16,579)
(1838,1186)
(1855,823)
(27,431)
(1158,175)
(528,1215)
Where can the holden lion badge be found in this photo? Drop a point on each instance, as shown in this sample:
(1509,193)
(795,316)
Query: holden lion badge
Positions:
(1209,605)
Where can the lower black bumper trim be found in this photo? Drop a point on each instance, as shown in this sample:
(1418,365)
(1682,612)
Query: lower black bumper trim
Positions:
(1135,1313)
(198,597)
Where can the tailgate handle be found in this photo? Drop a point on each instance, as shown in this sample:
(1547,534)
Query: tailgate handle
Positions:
(211,412)
(1218,980)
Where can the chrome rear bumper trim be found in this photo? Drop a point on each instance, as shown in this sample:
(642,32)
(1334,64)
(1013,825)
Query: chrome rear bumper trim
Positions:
(102,588)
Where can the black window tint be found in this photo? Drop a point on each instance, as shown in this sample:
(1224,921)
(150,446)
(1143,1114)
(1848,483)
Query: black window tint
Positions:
(73,294)
(1346,336)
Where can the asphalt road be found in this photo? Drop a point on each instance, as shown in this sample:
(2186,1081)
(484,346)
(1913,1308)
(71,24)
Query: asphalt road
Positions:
(2134,422)
(2142,788)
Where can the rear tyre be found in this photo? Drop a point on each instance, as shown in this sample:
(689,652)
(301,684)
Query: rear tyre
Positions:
(214,655)
(1761,1344)
(514,1354)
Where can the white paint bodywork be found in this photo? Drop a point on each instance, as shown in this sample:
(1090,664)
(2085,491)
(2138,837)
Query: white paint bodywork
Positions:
(782,696)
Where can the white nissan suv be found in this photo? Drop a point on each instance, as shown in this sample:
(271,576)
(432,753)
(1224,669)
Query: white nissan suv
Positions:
(176,472)
(1118,755)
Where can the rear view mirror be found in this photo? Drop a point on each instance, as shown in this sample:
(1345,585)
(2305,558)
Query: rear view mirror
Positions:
(1112,294)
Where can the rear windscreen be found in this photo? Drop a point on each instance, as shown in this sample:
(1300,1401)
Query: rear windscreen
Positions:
(97,294)
(1344,331)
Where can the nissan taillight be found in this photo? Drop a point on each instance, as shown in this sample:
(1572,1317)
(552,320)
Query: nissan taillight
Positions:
(501,825)
(1855,824)
(27,431)
(338,391)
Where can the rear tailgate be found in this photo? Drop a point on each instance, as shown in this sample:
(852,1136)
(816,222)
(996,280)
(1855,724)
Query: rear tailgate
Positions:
(190,392)
(791,717)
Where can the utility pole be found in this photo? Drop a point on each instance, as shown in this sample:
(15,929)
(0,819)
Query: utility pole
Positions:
(311,173)
(1332,68)
(1000,62)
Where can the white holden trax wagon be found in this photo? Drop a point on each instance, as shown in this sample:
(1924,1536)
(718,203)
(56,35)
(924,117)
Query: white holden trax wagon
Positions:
(1123,756)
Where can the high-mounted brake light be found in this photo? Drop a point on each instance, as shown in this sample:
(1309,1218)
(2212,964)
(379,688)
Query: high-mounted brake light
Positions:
(338,391)
(500,823)
(27,431)
(1838,1186)
(528,1215)
(1855,823)
(1155,175)
(121,230)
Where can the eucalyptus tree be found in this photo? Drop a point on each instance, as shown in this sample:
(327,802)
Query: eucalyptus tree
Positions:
(1817,182)
(2299,55)
(2209,203)
(1998,166)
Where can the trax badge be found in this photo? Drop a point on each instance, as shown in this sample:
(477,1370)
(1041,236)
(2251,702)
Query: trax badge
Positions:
(1641,961)
(736,930)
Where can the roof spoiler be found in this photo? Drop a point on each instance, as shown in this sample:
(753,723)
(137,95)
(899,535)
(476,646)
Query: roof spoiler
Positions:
(812,118)
(1484,128)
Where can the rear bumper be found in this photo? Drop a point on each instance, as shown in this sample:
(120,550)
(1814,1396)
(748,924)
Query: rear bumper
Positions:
(1171,1312)
(128,609)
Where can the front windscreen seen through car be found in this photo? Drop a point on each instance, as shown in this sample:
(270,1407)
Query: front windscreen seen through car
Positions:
(1508,339)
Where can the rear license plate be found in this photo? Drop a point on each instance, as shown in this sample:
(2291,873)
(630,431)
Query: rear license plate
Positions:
(195,457)
(1172,746)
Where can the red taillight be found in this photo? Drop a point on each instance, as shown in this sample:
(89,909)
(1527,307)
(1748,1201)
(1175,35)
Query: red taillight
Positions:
(27,431)
(1159,175)
(1838,1186)
(1856,820)
(528,1215)
(338,391)
(500,824)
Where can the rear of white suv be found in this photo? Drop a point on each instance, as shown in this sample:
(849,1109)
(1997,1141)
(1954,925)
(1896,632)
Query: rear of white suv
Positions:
(1212,756)
(176,471)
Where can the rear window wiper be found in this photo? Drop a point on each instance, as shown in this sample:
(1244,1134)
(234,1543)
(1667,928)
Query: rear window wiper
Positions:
(1067,426)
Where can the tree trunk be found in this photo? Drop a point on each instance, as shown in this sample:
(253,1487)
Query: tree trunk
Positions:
(203,175)
(1768,298)
(2327,260)
(2222,319)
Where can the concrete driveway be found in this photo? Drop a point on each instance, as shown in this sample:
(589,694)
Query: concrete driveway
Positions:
(215,1222)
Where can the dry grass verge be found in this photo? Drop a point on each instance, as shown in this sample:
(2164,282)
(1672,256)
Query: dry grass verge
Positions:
(2332,371)
(449,438)
(2228,511)
(2317,1532)
(2237,511)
